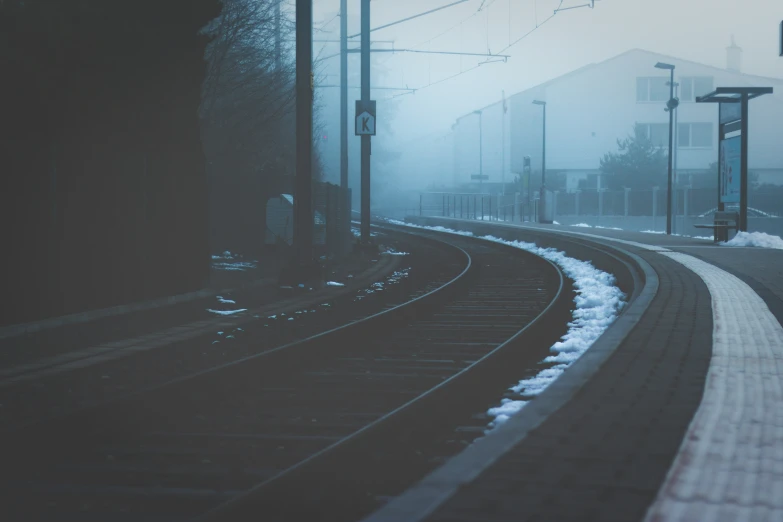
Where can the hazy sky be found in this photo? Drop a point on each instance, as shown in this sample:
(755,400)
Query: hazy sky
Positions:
(697,30)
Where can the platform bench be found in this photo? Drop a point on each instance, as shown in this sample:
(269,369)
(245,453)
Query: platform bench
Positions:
(722,223)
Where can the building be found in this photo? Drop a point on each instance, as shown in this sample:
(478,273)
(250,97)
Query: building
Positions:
(590,108)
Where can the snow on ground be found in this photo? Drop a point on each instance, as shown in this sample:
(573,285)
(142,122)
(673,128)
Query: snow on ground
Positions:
(238,265)
(334,283)
(708,238)
(226,312)
(598,303)
(229,261)
(357,233)
(754,239)
(583,225)
(223,300)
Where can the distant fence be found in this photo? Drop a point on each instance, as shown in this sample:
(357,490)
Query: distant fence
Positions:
(627,209)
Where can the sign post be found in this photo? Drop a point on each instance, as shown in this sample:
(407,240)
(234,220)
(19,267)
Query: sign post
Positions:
(365,122)
(365,118)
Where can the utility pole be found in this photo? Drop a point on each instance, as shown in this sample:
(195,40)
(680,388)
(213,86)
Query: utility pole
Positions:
(345,219)
(365,161)
(303,207)
(503,146)
(277,36)
(481,152)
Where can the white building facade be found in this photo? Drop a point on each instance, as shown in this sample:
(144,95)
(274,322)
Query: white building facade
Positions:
(589,109)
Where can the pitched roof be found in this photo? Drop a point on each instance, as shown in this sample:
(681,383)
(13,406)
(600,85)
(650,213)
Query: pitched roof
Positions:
(750,77)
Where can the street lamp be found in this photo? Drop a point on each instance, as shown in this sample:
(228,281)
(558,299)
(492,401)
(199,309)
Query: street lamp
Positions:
(542,198)
(670,106)
(676,154)
(481,157)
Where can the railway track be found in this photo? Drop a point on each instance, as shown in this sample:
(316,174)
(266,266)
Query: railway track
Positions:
(325,427)
(90,373)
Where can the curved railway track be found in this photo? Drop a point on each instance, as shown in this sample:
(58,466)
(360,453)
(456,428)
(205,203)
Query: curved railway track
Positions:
(324,427)
(129,360)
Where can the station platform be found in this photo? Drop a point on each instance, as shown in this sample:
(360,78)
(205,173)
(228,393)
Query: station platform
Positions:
(674,414)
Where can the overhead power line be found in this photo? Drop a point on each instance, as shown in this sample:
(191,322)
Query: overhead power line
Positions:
(419,51)
(412,17)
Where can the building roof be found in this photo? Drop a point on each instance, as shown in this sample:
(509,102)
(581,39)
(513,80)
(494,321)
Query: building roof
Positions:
(749,77)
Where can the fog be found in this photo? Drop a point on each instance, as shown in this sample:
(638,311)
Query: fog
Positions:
(414,147)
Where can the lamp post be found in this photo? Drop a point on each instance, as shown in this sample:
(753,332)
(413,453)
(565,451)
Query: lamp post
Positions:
(676,153)
(481,151)
(542,197)
(670,106)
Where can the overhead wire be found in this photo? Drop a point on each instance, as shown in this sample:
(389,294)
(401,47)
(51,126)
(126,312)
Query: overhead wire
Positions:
(511,44)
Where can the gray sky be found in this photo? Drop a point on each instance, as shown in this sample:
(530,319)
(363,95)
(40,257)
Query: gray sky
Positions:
(697,30)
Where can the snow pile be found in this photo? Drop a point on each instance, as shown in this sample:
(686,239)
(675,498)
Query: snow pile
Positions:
(334,283)
(707,238)
(223,300)
(598,302)
(608,228)
(754,239)
(229,261)
(224,255)
(358,233)
(555,223)
(583,225)
(226,312)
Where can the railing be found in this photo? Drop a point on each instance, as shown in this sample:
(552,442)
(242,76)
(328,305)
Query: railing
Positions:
(627,209)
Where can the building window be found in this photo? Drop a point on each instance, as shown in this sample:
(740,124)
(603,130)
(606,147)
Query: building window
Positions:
(652,89)
(694,135)
(657,133)
(693,86)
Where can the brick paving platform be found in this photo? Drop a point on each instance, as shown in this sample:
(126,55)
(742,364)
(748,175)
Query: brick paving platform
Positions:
(680,422)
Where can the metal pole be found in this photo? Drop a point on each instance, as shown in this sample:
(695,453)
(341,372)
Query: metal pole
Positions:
(365,80)
(743,221)
(277,36)
(303,210)
(543,153)
(676,152)
(503,147)
(671,139)
(542,197)
(481,156)
(721,137)
(346,213)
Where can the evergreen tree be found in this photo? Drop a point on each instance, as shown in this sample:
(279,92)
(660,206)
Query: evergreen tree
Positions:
(638,164)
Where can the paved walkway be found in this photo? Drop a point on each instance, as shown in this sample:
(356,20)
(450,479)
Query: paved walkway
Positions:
(684,420)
